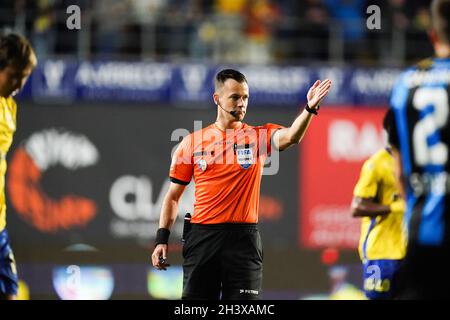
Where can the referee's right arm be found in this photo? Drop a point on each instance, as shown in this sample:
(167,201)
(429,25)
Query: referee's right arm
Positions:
(169,212)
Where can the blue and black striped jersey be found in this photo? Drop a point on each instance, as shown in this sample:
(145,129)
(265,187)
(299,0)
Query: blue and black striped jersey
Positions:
(420,131)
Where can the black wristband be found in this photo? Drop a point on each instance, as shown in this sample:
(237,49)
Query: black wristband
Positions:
(162,236)
(314,111)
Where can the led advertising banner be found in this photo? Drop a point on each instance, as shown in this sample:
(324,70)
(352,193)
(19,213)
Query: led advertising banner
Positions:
(67,81)
(331,157)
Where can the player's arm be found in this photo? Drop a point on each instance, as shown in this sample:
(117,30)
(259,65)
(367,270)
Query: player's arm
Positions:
(284,138)
(365,202)
(367,207)
(169,212)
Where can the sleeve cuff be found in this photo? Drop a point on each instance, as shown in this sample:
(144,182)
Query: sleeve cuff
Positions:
(177,181)
(272,145)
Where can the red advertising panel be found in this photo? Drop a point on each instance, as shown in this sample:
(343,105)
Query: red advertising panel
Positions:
(331,155)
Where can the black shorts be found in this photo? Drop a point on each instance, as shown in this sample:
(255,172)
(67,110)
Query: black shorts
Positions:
(222,261)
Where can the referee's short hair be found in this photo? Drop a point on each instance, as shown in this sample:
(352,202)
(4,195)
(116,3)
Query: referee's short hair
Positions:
(16,50)
(440,19)
(226,74)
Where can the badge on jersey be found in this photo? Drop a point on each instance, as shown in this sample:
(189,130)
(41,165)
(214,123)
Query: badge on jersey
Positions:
(202,165)
(244,157)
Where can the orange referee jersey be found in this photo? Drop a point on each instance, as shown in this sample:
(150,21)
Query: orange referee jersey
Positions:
(227,167)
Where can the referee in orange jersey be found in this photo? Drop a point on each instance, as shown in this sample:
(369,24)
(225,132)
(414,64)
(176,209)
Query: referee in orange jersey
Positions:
(222,252)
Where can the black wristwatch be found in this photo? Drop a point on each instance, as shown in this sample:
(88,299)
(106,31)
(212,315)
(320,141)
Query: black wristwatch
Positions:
(313,111)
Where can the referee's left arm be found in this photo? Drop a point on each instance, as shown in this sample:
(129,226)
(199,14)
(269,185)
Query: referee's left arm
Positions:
(284,138)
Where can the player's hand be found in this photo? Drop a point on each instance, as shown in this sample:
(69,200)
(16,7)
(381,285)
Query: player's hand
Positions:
(317,92)
(159,257)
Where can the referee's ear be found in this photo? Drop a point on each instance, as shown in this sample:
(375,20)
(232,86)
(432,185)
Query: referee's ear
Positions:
(216,98)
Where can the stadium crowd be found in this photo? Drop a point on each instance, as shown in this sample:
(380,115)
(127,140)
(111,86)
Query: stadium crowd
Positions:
(238,31)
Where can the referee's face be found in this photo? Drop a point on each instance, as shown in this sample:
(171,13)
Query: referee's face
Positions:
(233,97)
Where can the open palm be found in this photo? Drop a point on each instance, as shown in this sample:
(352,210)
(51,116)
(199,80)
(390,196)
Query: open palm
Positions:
(317,92)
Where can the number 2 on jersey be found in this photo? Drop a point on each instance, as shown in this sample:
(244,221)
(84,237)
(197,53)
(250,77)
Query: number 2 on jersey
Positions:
(433,106)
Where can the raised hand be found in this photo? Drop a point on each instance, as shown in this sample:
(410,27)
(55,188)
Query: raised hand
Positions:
(317,92)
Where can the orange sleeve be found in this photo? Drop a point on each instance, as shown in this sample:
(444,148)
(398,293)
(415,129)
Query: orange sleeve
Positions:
(266,136)
(181,168)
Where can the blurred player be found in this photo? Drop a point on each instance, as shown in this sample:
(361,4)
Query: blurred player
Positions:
(377,200)
(421,136)
(223,250)
(17,61)
(341,288)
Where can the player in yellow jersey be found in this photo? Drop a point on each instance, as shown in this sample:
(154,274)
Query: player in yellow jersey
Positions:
(17,61)
(377,200)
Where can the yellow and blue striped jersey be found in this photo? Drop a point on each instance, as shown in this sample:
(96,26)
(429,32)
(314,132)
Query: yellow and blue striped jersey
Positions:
(382,237)
(8,109)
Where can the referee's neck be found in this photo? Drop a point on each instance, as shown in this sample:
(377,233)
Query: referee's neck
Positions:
(224,124)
